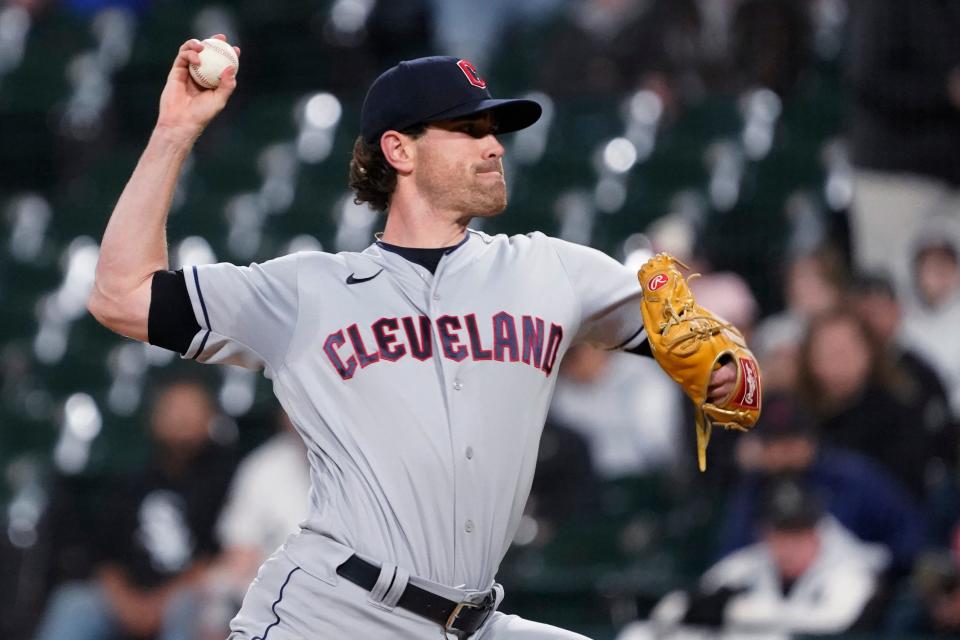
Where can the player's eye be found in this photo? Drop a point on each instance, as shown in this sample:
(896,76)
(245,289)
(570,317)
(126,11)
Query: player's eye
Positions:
(479,129)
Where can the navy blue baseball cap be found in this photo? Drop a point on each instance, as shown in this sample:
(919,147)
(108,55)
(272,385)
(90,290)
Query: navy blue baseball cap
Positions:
(436,88)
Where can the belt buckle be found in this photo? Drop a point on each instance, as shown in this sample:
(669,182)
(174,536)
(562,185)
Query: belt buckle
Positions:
(452,619)
(450,626)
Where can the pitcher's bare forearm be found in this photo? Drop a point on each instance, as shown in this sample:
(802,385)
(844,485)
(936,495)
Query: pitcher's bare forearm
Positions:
(134,245)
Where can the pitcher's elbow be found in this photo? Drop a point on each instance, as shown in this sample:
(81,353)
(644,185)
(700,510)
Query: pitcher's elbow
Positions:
(98,306)
(107,309)
(124,312)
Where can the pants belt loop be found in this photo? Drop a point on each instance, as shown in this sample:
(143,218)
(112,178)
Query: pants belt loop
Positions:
(380,590)
(396,589)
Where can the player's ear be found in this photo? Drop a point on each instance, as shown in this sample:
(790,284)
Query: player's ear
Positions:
(398,149)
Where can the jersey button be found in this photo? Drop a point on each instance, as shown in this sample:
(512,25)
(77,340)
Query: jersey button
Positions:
(469,453)
(468,526)
(457,385)
(436,295)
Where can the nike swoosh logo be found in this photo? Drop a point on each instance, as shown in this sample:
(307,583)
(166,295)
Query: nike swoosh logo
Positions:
(352,280)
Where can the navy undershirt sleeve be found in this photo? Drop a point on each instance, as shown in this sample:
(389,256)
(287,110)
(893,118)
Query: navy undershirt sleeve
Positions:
(171,323)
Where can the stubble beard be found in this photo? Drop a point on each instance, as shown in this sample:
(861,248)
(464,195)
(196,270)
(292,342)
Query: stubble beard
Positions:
(475,196)
(490,201)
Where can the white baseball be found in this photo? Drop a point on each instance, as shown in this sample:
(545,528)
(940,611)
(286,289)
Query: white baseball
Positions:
(216,56)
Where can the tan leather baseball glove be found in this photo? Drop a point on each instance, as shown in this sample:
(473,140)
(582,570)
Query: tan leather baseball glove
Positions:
(690,343)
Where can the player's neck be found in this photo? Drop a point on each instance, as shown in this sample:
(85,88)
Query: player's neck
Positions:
(422,227)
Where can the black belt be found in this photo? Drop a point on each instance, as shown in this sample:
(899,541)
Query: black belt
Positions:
(455,617)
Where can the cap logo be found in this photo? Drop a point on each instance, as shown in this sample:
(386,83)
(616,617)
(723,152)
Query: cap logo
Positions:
(473,76)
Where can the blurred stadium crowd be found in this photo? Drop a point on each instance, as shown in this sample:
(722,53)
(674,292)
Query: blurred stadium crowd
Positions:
(803,155)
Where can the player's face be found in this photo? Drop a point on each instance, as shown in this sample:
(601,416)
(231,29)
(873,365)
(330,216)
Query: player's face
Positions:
(459,167)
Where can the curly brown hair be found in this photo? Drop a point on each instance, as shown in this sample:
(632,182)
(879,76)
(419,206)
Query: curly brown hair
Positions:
(372,178)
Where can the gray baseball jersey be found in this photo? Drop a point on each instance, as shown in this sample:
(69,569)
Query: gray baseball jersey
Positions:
(421,397)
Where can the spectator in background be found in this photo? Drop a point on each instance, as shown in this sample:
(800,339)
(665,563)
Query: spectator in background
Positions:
(626,408)
(813,283)
(861,495)
(158,537)
(904,72)
(861,399)
(806,575)
(875,301)
(931,318)
(933,306)
(266,503)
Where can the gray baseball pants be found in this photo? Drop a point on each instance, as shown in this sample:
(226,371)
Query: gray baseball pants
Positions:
(287,603)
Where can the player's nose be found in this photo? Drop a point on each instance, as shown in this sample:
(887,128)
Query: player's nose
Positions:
(492,148)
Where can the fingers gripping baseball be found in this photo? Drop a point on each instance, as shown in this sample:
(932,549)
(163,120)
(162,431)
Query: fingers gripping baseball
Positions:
(184,105)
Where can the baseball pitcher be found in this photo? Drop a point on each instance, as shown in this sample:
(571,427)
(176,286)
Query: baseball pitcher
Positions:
(419,371)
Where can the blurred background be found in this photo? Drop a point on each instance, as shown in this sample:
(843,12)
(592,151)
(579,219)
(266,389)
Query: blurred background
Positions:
(803,155)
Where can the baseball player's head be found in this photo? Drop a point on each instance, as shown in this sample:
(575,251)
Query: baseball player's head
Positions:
(428,134)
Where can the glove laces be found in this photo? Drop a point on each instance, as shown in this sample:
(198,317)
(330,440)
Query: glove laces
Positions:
(701,327)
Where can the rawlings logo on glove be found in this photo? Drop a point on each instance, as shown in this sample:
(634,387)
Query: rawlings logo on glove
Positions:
(690,343)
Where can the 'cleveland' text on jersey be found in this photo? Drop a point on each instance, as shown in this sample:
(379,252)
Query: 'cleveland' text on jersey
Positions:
(510,340)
